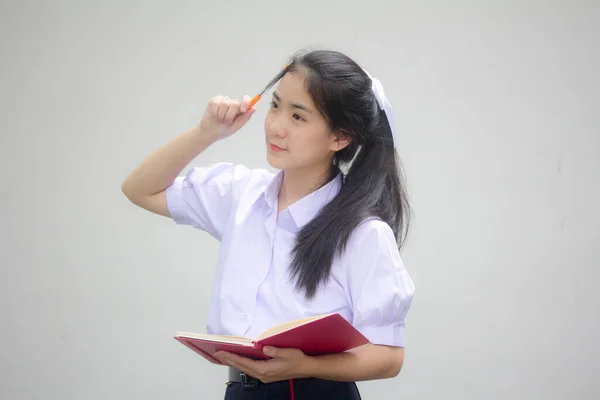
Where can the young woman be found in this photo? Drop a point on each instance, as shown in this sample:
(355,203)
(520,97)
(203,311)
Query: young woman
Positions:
(320,236)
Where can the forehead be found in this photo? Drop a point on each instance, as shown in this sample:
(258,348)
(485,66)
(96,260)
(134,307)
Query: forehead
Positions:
(292,88)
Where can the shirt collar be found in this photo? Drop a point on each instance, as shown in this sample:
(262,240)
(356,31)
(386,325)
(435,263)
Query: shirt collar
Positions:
(305,209)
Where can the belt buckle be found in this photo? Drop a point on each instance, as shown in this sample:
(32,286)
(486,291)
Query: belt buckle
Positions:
(248,382)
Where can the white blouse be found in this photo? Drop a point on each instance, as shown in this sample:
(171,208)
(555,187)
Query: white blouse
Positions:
(368,285)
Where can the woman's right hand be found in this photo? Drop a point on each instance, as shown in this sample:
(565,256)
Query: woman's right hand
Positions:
(224,116)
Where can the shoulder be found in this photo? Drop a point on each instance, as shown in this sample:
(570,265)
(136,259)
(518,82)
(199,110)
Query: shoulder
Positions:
(373,232)
(235,176)
(241,186)
(373,257)
(372,244)
(219,187)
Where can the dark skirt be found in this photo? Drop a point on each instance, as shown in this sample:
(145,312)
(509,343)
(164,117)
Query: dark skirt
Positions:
(304,389)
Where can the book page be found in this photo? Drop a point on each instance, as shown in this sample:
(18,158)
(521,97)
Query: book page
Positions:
(217,338)
(288,325)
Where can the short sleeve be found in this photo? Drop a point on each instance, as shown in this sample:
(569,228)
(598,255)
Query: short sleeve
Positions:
(381,290)
(204,198)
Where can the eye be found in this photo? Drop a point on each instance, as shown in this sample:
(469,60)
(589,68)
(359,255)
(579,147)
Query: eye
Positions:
(298,117)
(274,105)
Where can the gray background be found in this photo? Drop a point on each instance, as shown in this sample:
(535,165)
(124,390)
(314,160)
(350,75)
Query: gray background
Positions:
(497,111)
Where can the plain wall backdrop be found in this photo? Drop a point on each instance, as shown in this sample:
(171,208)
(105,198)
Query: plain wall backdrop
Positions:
(497,109)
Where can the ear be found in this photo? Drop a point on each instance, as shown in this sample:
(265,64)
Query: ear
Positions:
(340,141)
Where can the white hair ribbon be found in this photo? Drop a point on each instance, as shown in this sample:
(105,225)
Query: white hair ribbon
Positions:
(384,104)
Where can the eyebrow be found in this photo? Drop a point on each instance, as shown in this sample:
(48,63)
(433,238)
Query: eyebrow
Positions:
(294,105)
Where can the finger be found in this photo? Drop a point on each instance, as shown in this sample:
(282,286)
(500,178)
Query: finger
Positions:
(228,361)
(220,355)
(271,351)
(242,364)
(284,353)
(232,112)
(241,119)
(213,106)
(241,361)
(223,107)
(245,103)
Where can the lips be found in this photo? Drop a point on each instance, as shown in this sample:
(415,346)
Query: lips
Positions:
(275,148)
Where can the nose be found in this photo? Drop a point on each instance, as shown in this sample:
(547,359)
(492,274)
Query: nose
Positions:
(277,126)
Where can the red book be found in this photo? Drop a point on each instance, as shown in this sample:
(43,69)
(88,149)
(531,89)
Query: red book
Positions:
(324,334)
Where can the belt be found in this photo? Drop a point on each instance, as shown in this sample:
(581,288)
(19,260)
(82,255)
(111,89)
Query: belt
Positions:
(250,382)
(247,381)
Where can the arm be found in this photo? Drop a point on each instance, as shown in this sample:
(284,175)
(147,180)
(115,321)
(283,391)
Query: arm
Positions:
(147,184)
(364,363)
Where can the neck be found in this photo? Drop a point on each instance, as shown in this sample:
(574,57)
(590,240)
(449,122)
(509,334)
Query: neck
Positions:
(300,183)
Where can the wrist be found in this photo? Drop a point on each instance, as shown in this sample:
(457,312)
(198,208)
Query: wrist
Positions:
(308,367)
(204,135)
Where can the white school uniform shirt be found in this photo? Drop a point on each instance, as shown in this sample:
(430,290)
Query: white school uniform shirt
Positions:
(368,284)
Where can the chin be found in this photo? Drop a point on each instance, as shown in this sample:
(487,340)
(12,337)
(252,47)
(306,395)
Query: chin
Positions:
(275,162)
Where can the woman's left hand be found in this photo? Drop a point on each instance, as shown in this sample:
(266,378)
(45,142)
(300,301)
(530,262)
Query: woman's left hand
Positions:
(285,364)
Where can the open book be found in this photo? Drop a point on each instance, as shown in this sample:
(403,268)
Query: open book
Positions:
(324,334)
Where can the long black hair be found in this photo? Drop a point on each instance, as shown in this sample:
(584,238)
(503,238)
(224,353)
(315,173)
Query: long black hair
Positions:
(373,184)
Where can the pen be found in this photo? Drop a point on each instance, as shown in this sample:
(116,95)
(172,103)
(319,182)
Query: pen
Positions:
(256,98)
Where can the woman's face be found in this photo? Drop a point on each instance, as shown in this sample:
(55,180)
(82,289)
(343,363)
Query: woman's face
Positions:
(297,135)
